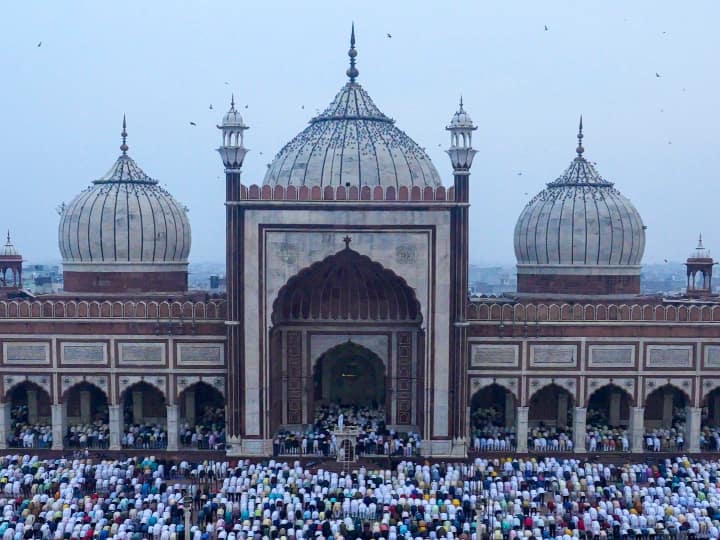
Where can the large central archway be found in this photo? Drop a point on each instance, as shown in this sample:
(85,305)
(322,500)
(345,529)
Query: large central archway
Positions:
(346,322)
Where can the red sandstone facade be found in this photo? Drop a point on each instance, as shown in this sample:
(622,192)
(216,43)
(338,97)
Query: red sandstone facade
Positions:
(124,282)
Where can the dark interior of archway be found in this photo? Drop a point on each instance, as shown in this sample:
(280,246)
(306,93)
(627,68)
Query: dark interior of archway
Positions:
(488,407)
(98,403)
(598,410)
(656,414)
(546,410)
(711,409)
(153,404)
(24,412)
(349,374)
(209,406)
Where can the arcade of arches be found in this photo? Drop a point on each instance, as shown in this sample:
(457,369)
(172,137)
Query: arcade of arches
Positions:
(30,418)
(666,414)
(346,331)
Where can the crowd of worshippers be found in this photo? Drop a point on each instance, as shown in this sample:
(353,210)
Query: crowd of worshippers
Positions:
(25,434)
(374,437)
(93,435)
(208,433)
(666,439)
(484,499)
(144,436)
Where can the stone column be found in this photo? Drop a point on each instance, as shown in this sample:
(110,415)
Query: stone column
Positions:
(667,411)
(172,427)
(190,407)
(84,407)
(32,405)
(521,430)
(615,398)
(509,410)
(137,406)
(579,428)
(59,420)
(637,428)
(4,423)
(562,410)
(115,421)
(692,435)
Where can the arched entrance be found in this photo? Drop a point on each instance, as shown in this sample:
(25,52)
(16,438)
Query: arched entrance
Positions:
(349,374)
(202,417)
(666,417)
(550,419)
(608,417)
(87,417)
(30,417)
(144,416)
(346,297)
(492,419)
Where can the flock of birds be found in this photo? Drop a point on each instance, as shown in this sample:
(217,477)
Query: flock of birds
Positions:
(389,36)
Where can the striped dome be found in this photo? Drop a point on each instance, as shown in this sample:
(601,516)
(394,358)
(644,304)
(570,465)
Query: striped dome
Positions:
(125,219)
(580,224)
(352,143)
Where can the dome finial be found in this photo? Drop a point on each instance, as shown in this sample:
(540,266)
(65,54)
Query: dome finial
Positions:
(580,148)
(232,101)
(9,243)
(124,146)
(461,103)
(352,71)
(699,246)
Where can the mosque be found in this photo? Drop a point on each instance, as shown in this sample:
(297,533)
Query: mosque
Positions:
(347,278)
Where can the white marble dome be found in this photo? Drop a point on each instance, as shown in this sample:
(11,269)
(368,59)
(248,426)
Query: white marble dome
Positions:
(580,221)
(352,143)
(124,220)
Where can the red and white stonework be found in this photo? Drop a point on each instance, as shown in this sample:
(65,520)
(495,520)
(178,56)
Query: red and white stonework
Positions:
(352,237)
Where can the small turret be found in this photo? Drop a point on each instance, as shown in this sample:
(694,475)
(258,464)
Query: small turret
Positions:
(10,266)
(233,128)
(700,262)
(461,151)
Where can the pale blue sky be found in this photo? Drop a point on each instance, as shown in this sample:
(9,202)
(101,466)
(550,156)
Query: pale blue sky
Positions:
(163,63)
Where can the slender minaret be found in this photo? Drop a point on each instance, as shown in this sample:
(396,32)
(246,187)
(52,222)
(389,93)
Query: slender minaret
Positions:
(461,156)
(233,153)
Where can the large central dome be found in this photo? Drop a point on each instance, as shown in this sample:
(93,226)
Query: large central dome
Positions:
(352,143)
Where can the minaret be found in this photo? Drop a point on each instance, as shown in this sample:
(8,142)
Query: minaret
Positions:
(232,151)
(461,155)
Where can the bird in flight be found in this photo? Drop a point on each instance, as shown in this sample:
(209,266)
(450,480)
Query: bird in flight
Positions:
(302,106)
(211,106)
(546,28)
(39,43)
(246,106)
(389,35)
(657,74)
(227,83)
(519,174)
(193,124)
